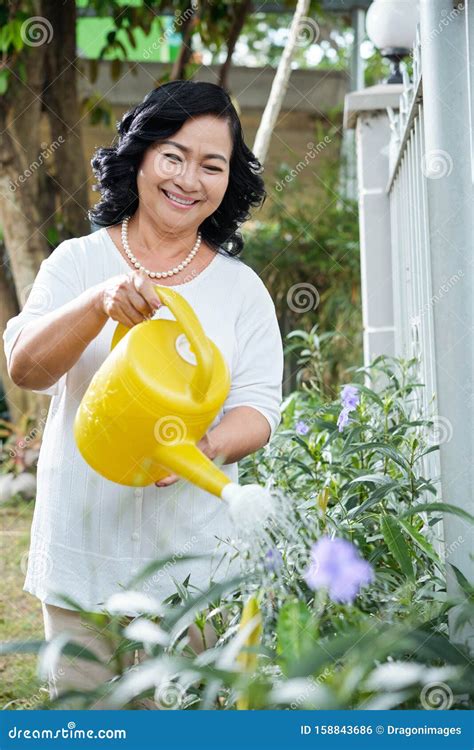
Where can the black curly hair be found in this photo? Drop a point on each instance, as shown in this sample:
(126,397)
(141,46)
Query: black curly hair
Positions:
(160,115)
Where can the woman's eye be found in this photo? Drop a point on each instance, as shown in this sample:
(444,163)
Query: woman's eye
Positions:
(173,157)
(212,169)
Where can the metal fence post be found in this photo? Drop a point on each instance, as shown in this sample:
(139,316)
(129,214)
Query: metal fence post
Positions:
(447,161)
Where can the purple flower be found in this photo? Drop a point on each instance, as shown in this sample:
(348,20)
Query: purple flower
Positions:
(350,397)
(343,419)
(337,566)
(273,560)
(301,428)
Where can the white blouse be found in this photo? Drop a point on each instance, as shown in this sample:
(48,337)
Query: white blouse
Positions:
(89,535)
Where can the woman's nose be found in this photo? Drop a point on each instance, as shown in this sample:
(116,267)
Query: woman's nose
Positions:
(188,178)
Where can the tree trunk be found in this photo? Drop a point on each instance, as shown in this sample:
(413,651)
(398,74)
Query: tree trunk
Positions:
(18,400)
(29,195)
(240,14)
(185,52)
(279,86)
(20,219)
(61,105)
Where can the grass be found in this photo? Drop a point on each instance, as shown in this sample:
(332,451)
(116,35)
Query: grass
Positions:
(20,614)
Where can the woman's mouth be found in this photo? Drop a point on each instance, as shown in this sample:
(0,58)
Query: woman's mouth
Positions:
(178,200)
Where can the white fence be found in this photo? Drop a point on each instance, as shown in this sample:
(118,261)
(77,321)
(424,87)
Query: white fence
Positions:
(413,297)
(415,158)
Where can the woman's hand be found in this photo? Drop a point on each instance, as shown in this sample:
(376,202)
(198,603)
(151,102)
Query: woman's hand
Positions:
(205,446)
(128,299)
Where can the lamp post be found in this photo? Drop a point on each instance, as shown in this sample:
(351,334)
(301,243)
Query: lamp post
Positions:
(391,26)
(357,10)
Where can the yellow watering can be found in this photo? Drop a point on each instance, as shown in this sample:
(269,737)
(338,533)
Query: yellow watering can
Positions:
(153,399)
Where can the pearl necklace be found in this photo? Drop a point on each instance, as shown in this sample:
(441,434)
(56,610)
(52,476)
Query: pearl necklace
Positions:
(156,274)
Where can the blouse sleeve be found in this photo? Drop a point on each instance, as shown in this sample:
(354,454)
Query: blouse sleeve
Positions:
(57,282)
(258,370)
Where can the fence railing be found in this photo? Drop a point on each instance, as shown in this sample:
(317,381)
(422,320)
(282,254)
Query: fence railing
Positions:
(415,153)
(413,297)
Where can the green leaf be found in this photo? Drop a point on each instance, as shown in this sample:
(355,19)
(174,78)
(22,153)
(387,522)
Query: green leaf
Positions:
(375,478)
(294,636)
(303,444)
(16,31)
(397,544)
(420,540)
(375,497)
(305,469)
(383,448)
(441,507)
(3,81)
(431,449)
(159,564)
(179,617)
(34,647)
(464,584)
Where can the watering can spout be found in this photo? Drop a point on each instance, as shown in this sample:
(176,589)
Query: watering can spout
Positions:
(250,506)
(187,461)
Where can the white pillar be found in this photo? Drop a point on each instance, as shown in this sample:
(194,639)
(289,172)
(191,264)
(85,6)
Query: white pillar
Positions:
(448,143)
(366,111)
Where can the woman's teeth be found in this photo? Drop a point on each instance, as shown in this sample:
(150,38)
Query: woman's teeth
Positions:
(181,201)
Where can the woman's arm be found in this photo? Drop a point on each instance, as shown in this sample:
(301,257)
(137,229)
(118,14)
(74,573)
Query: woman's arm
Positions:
(241,431)
(48,347)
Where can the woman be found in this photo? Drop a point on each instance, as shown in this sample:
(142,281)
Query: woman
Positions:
(174,191)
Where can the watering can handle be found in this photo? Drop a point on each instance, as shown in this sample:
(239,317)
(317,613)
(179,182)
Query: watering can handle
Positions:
(186,316)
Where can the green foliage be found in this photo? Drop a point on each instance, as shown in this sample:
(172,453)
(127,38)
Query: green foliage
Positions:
(294,632)
(365,483)
(307,254)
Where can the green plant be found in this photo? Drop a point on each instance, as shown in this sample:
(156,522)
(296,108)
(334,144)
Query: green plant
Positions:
(311,270)
(361,479)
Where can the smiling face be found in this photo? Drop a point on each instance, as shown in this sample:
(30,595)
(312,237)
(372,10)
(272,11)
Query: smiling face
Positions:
(182,181)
